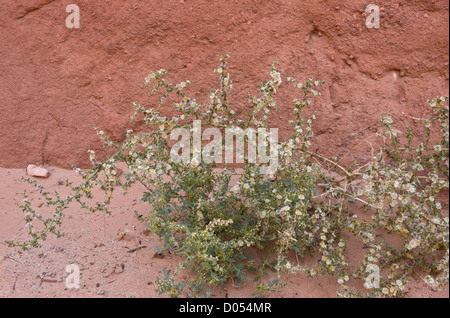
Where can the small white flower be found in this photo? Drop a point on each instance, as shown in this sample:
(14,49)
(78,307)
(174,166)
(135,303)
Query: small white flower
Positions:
(438,148)
(235,189)
(414,243)
(194,162)
(430,280)
(410,188)
(436,221)
(152,173)
(388,120)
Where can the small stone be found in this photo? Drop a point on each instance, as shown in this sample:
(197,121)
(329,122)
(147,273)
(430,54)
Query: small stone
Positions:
(35,171)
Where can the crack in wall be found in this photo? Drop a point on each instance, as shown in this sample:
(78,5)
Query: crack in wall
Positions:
(27,11)
(43,148)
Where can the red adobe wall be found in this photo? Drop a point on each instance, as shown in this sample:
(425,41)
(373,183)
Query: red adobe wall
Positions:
(56,83)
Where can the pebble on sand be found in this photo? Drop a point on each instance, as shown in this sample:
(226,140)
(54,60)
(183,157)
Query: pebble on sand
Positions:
(35,171)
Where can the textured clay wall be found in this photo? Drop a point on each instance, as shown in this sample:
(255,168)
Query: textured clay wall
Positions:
(57,83)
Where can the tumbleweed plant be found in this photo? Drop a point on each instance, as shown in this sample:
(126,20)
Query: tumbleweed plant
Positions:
(405,185)
(227,221)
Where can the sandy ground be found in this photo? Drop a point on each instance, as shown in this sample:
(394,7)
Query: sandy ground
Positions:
(107,268)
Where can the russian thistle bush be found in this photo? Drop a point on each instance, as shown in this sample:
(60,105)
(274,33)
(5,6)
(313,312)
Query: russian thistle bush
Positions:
(219,218)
